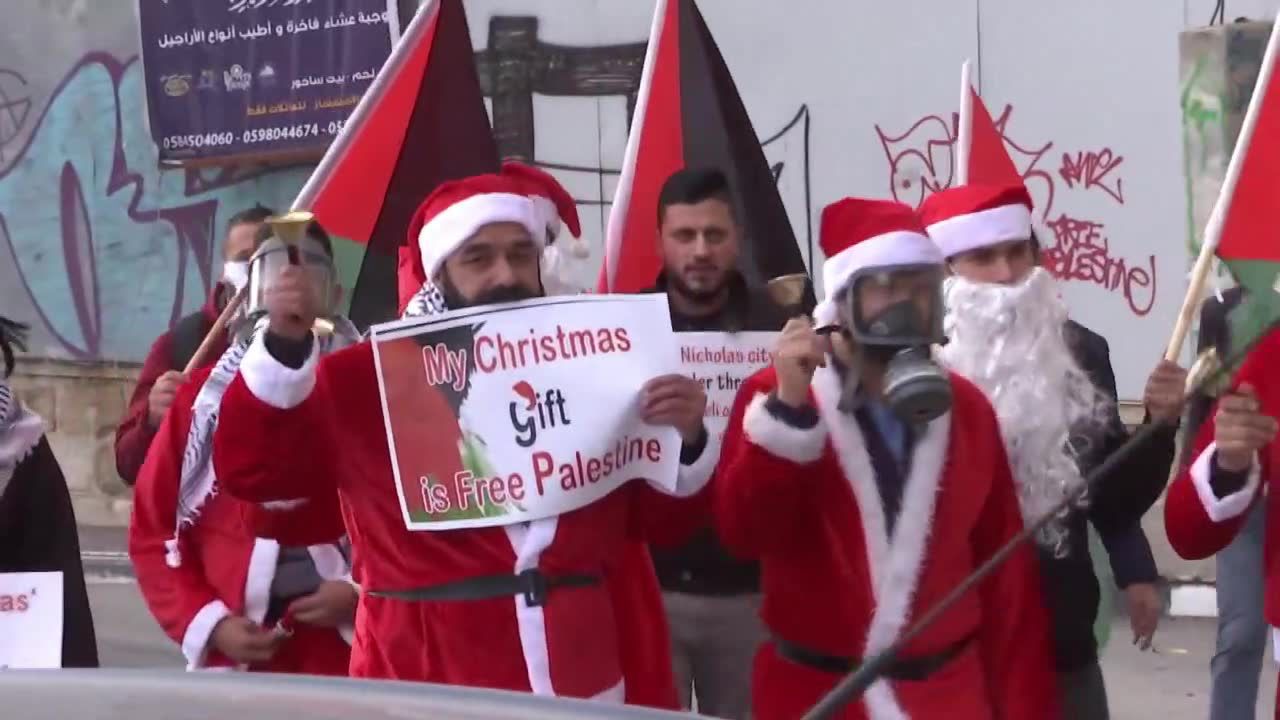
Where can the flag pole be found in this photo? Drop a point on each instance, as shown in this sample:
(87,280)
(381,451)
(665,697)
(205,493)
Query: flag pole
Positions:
(617,222)
(1213,228)
(854,684)
(400,55)
(964,133)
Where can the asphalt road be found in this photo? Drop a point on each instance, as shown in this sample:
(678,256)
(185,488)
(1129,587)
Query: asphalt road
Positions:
(1170,684)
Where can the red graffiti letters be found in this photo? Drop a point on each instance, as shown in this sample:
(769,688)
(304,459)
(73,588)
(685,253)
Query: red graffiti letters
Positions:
(1081,251)
(1090,170)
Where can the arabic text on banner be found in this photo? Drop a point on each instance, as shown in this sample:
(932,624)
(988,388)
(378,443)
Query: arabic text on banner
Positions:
(509,413)
(31,620)
(236,77)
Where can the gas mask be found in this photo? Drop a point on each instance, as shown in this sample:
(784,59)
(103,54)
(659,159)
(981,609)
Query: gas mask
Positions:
(274,255)
(898,337)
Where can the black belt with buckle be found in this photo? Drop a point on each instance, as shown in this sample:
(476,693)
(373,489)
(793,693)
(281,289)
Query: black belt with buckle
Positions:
(532,584)
(915,669)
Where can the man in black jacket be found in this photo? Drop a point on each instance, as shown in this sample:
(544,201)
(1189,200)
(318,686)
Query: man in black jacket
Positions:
(1051,383)
(712,599)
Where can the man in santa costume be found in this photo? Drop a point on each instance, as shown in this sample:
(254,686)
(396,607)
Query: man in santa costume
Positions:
(237,584)
(519,607)
(869,482)
(633,585)
(1054,392)
(1235,457)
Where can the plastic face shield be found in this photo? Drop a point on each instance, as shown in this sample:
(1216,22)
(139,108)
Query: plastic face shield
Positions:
(896,306)
(274,255)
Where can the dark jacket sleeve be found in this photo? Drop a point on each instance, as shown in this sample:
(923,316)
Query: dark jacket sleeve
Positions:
(1121,497)
(38,534)
(134,434)
(1130,554)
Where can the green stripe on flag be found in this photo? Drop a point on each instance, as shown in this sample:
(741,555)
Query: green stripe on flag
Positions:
(1260,308)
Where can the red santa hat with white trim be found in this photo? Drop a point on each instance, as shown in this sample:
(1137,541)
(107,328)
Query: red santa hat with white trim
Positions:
(859,234)
(456,211)
(554,205)
(970,217)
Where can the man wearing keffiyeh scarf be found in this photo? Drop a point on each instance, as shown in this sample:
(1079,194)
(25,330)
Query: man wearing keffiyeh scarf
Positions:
(510,621)
(237,584)
(37,521)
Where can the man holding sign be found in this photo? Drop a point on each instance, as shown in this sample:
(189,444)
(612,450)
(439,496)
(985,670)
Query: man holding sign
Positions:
(870,483)
(726,330)
(483,457)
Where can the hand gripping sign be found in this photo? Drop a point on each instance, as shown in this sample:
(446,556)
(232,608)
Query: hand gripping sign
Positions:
(508,413)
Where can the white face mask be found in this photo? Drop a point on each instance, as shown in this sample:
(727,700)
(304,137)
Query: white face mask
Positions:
(236,273)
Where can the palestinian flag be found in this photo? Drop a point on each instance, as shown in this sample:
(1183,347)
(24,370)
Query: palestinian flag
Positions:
(422,122)
(1242,228)
(689,114)
(981,157)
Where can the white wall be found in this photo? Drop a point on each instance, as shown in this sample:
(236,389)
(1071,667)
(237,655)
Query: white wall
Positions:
(1093,86)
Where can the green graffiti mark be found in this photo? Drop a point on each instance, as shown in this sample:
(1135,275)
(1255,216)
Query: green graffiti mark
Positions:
(1202,118)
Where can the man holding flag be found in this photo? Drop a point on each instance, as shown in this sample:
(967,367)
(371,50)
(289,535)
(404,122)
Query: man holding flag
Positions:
(527,609)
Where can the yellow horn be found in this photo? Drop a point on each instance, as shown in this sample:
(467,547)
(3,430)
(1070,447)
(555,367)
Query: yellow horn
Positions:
(291,227)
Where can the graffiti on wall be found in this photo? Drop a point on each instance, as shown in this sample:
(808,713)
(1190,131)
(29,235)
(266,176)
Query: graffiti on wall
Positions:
(108,247)
(516,66)
(921,161)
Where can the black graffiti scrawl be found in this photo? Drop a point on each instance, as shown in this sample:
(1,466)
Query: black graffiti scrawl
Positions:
(516,65)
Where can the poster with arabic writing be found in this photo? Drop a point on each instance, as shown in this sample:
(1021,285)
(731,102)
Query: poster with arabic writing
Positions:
(236,78)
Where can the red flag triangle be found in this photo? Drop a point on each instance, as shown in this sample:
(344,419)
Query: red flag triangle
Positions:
(989,161)
(422,122)
(690,114)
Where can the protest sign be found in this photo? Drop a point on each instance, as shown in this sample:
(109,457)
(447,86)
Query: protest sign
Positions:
(31,620)
(721,362)
(503,414)
(247,77)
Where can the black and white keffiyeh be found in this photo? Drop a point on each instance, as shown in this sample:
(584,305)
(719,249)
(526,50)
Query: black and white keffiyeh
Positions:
(20,429)
(197,482)
(20,432)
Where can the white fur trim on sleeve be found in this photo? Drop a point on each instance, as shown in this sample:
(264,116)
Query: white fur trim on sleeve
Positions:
(195,641)
(693,477)
(272,382)
(1233,505)
(777,437)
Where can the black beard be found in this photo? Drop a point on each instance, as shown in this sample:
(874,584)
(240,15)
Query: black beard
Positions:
(697,297)
(502,294)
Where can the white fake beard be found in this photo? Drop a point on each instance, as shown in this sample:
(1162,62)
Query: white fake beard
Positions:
(1010,342)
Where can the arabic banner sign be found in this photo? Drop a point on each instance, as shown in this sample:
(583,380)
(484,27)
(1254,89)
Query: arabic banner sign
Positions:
(722,361)
(508,413)
(249,77)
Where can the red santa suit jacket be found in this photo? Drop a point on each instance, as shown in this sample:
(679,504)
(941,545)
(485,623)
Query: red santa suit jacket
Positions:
(227,558)
(806,503)
(1199,522)
(568,646)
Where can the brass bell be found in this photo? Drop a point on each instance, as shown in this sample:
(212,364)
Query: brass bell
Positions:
(787,291)
(292,226)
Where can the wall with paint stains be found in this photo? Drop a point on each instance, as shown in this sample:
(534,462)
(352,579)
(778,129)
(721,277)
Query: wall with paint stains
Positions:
(103,250)
(99,247)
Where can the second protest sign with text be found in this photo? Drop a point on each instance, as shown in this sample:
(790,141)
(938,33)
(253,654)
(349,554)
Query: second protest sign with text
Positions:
(721,361)
(510,413)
